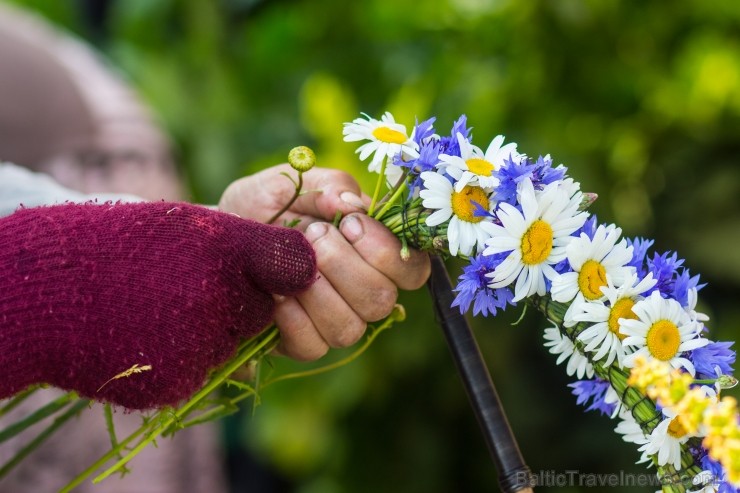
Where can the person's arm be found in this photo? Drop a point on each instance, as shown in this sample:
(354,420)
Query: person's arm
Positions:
(20,186)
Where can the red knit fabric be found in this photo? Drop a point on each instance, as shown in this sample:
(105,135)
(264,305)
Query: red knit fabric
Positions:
(87,291)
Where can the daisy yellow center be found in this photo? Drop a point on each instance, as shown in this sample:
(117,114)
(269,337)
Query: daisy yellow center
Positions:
(591,278)
(479,166)
(537,243)
(462,203)
(676,429)
(663,340)
(385,134)
(621,309)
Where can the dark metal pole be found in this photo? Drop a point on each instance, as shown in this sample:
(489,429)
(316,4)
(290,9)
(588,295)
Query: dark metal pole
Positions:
(514,475)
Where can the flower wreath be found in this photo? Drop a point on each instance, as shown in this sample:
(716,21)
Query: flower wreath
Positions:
(624,320)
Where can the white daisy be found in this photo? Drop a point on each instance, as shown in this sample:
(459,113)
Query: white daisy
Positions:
(559,344)
(386,139)
(475,167)
(536,237)
(693,298)
(632,433)
(662,330)
(706,482)
(465,229)
(666,439)
(604,337)
(592,260)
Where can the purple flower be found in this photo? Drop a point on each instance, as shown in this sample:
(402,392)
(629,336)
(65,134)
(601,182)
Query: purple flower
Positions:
(472,287)
(509,176)
(450,145)
(640,247)
(589,227)
(544,174)
(674,281)
(718,475)
(423,131)
(596,389)
(714,354)
(427,161)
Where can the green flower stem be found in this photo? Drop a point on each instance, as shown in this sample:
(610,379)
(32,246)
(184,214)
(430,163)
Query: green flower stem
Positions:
(642,407)
(114,452)
(399,191)
(38,415)
(41,437)
(378,186)
(264,342)
(295,196)
(15,401)
(372,334)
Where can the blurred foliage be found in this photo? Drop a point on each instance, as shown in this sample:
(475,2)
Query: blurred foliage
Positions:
(641,100)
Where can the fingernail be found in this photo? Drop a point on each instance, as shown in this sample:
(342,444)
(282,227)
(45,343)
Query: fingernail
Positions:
(351,228)
(316,231)
(352,199)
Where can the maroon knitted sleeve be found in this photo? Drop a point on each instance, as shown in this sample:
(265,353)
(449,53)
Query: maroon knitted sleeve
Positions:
(87,291)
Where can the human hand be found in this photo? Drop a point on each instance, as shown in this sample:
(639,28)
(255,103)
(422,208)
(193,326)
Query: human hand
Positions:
(359,263)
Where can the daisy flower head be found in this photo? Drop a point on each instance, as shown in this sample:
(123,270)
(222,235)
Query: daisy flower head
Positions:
(662,330)
(535,238)
(476,167)
(604,336)
(666,440)
(385,137)
(592,260)
(461,208)
(560,345)
(632,432)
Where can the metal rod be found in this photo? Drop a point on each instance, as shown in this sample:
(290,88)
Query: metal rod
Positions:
(514,475)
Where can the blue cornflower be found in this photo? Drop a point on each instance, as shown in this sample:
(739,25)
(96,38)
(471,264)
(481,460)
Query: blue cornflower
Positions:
(423,131)
(450,145)
(664,268)
(595,389)
(544,174)
(714,354)
(640,247)
(589,227)
(509,177)
(472,287)
(427,161)
(682,284)
(674,281)
(718,475)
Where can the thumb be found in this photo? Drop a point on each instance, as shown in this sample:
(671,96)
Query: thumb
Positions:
(278,260)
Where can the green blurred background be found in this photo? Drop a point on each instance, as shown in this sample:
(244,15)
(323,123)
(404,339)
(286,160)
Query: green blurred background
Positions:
(641,100)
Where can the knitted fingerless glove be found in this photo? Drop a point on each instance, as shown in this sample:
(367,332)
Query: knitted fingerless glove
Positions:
(88,291)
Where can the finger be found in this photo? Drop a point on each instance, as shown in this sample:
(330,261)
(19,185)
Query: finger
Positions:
(299,338)
(332,317)
(367,291)
(381,249)
(325,191)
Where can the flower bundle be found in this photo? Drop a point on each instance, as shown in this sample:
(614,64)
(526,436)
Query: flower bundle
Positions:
(624,319)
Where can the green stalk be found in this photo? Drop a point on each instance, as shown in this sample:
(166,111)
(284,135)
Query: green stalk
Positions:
(41,437)
(15,401)
(271,337)
(373,333)
(399,191)
(38,415)
(378,185)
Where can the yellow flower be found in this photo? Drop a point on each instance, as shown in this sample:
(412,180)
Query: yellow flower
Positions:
(691,408)
(651,373)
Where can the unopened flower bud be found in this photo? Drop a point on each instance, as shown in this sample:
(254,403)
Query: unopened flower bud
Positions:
(588,199)
(301,158)
(399,313)
(439,243)
(726,382)
(405,253)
